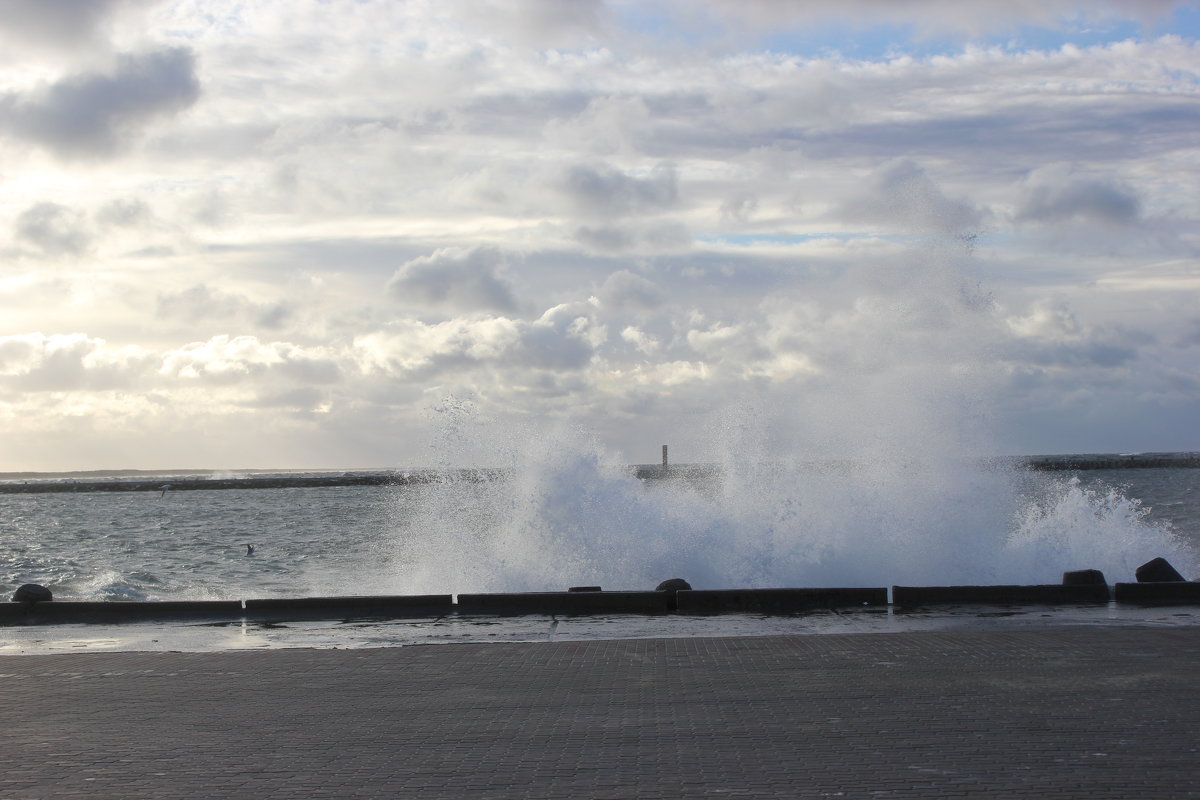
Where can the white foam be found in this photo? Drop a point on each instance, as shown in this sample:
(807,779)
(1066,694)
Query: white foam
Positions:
(872,472)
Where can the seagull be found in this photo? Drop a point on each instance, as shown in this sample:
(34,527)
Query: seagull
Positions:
(165,487)
(249,549)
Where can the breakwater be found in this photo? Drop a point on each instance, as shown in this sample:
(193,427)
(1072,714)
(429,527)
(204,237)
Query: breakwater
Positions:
(249,480)
(192,480)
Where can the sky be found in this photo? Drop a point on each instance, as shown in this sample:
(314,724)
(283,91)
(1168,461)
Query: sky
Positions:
(372,233)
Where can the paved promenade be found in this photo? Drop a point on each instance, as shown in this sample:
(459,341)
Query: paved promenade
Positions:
(1048,713)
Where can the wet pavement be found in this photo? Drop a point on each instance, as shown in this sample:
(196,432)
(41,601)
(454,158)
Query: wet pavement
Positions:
(980,706)
(453,629)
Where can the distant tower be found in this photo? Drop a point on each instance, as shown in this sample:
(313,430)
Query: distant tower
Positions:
(664,458)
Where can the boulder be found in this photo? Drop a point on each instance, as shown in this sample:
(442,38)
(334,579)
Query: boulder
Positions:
(1084,577)
(671,586)
(32,593)
(1158,570)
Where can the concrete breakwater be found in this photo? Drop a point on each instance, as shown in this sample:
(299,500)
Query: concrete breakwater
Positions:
(251,480)
(1112,461)
(574,603)
(133,481)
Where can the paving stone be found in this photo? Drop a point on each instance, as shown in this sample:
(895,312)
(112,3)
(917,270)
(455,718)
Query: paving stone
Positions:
(1070,712)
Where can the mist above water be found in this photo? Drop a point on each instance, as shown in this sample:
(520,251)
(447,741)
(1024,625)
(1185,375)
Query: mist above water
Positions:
(867,467)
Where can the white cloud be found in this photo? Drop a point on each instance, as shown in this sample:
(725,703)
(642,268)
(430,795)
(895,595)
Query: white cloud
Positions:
(232,359)
(409,348)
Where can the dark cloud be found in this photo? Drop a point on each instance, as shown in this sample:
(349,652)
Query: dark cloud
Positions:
(665,238)
(627,290)
(302,398)
(605,239)
(199,304)
(310,370)
(456,277)
(739,208)
(55,230)
(124,214)
(60,23)
(546,347)
(63,363)
(521,113)
(93,114)
(1064,198)
(604,191)
(538,22)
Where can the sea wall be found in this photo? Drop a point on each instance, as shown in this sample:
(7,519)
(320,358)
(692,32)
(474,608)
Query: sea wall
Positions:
(686,603)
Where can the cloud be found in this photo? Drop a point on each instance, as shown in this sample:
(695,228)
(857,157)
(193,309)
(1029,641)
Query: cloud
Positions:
(61,23)
(301,398)
(933,16)
(460,278)
(563,338)
(231,360)
(412,349)
(625,290)
(201,304)
(1051,336)
(604,191)
(124,213)
(94,115)
(1054,195)
(56,231)
(902,196)
(632,236)
(70,362)
(545,23)
(645,344)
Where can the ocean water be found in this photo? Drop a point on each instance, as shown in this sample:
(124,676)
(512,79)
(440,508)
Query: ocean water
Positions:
(571,520)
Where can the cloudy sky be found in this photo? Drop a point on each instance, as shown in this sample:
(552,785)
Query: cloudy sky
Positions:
(342,233)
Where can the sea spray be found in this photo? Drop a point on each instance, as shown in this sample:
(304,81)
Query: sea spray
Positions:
(868,466)
(568,518)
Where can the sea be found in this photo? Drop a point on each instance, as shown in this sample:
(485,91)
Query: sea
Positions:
(579,521)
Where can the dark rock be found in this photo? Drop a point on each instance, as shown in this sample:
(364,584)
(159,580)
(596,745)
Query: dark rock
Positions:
(32,593)
(1084,577)
(584,589)
(1157,571)
(673,585)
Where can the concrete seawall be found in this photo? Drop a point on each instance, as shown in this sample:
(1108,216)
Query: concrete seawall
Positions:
(780,601)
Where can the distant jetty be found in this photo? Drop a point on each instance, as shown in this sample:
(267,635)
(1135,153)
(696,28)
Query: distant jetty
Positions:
(182,482)
(1111,461)
(191,480)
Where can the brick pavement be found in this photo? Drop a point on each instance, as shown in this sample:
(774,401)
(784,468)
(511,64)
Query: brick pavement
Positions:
(1049,713)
